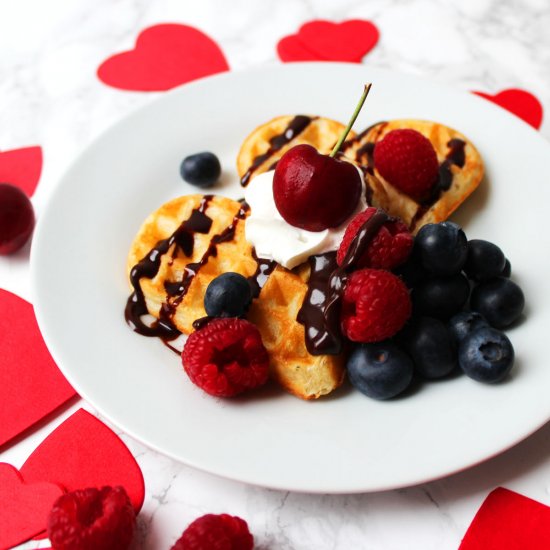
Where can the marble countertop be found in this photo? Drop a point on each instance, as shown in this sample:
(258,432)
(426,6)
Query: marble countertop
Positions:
(49,95)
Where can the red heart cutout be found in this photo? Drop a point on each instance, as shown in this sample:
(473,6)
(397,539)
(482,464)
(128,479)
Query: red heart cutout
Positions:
(519,102)
(291,48)
(83,452)
(31,385)
(509,521)
(165,56)
(327,41)
(25,506)
(22,167)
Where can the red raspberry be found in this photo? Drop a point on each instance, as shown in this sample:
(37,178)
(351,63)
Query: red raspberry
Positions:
(407,160)
(226,357)
(216,532)
(89,519)
(376,304)
(390,247)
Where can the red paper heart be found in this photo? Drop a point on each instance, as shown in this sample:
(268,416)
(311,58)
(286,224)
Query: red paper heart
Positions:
(25,506)
(165,56)
(31,385)
(509,521)
(22,167)
(83,452)
(320,40)
(519,102)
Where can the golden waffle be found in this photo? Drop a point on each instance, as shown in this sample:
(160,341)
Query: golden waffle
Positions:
(463,179)
(263,147)
(273,312)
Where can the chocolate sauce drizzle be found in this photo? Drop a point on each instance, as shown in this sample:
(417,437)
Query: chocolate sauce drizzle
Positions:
(295,127)
(320,311)
(456,156)
(264,268)
(182,239)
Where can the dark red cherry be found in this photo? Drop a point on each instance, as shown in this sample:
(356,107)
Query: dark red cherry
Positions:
(16,218)
(314,191)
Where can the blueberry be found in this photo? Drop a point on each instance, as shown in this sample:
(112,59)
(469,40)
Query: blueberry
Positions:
(381,370)
(228,295)
(507,269)
(500,301)
(441,247)
(441,297)
(411,272)
(431,346)
(201,169)
(486,355)
(465,322)
(485,260)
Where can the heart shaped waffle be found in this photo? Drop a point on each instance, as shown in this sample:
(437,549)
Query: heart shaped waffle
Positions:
(195,238)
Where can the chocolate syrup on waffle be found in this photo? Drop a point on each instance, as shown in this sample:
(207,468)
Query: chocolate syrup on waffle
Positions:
(295,127)
(456,156)
(169,307)
(320,311)
(264,268)
(182,239)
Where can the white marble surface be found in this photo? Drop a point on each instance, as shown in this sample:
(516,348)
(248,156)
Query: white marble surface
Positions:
(49,95)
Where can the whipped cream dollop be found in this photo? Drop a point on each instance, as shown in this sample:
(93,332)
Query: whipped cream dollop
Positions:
(275,239)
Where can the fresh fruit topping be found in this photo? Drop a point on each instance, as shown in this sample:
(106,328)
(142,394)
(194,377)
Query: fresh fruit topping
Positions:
(390,247)
(16,218)
(216,532)
(381,370)
(201,169)
(92,518)
(228,295)
(465,322)
(500,301)
(442,248)
(314,191)
(486,355)
(226,357)
(430,344)
(407,160)
(485,260)
(441,297)
(375,305)
(411,272)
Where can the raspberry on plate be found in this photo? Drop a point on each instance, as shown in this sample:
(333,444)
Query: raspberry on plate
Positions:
(92,518)
(376,304)
(216,532)
(407,160)
(226,357)
(390,247)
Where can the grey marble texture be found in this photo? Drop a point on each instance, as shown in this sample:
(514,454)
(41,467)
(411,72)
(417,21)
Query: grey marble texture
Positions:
(49,95)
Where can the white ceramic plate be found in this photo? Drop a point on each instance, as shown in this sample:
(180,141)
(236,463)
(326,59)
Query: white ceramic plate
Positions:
(344,443)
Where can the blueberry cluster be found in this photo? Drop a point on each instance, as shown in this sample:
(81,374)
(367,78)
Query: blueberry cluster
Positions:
(462,299)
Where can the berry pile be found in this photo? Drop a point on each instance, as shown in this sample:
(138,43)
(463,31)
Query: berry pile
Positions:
(462,298)
(104,519)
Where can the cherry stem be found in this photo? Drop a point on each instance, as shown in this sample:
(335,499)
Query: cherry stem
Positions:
(352,120)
